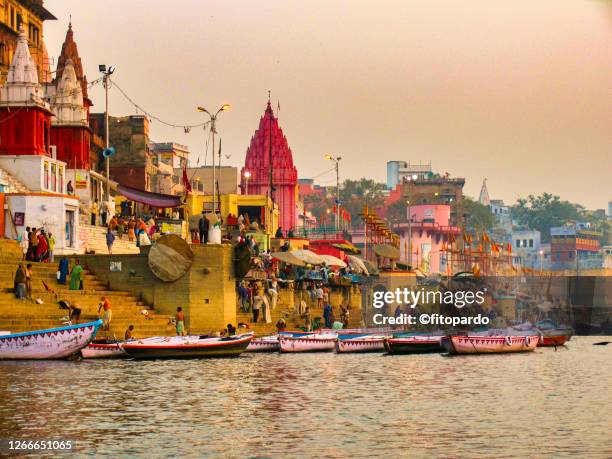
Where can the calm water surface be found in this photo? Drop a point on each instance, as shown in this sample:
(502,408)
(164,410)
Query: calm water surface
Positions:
(542,404)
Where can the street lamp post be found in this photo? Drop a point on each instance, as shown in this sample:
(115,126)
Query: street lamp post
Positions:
(336,160)
(247,176)
(213,119)
(106,73)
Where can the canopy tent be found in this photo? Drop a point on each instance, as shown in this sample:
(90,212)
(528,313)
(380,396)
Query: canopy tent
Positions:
(330,260)
(358,265)
(372,268)
(158,200)
(387,251)
(308,256)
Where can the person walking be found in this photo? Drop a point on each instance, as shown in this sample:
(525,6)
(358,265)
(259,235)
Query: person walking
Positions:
(244,295)
(132,230)
(320,294)
(179,318)
(110,239)
(20,282)
(51,242)
(76,280)
(108,313)
(273,292)
(33,244)
(257,301)
(104,212)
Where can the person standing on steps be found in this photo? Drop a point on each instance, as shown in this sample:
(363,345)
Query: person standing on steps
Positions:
(104,212)
(108,313)
(51,241)
(24,242)
(76,280)
(94,212)
(28,281)
(64,269)
(20,282)
(110,238)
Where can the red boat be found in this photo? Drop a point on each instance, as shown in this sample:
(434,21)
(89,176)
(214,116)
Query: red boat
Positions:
(553,335)
(558,340)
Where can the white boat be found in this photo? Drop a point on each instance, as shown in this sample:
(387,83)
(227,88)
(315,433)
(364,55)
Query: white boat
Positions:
(181,347)
(308,343)
(477,344)
(361,344)
(264,344)
(103,350)
(52,343)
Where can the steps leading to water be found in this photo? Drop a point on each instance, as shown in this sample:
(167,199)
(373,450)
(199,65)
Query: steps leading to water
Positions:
(25,315)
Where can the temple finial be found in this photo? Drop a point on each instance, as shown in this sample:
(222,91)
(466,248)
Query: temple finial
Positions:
(70,23)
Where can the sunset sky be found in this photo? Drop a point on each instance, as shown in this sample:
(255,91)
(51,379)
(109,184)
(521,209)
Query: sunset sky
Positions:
(517,91)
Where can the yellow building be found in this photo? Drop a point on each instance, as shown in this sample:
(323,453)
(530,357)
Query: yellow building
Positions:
(30,15)
(256,206)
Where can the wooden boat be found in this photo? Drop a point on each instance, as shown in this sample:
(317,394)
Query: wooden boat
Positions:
(183,347)
(420,344)
(553,335)
(368,343)
(52,343)
(471,344)
(308,343)
(264,344)
(103,350)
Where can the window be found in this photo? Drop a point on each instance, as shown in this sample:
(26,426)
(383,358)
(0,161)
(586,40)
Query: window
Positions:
(2,53)
(46,176)
(518,243)
(531,243)
(19,21)
(54,177)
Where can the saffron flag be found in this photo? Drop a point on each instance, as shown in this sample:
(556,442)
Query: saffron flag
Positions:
(186,182)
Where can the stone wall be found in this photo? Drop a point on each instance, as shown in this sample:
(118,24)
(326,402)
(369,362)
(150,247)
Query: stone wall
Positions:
(206,293)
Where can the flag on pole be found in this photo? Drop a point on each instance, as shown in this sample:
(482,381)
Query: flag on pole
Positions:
(186,182)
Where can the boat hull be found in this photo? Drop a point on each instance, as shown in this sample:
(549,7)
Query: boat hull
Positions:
(413,345)
(264,344)
(306,344)
(552,340)
(360,345)
(166,348)
(470,344)
(103,351)
(53,343)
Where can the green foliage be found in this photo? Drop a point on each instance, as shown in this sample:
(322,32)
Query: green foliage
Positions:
(478,217)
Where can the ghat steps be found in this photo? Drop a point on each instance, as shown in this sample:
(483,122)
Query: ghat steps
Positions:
(25,315)
(96,241)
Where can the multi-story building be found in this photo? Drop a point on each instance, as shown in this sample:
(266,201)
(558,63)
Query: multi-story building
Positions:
(399,171)
(575,244)
(169,157)
(29,14)
(132,165)
(526,247)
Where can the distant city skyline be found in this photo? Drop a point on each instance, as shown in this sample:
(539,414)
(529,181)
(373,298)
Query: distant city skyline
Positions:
(518,93)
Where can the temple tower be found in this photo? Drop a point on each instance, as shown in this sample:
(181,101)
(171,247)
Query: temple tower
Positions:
(70,131)
(25,116)
(267,143)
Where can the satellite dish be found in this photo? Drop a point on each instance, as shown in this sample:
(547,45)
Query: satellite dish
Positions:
(170,258)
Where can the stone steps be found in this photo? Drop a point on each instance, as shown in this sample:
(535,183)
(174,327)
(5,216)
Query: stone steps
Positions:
(96,241)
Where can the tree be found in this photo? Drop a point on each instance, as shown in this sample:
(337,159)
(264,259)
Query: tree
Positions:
(544,212)
(478,216)
(355,194)
(397,212)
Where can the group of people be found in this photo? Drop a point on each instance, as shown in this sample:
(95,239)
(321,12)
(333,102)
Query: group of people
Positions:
(37,245)
(100,212)
(259,299)
(137,230)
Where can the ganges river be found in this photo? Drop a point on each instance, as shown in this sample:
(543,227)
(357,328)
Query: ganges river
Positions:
(543,404)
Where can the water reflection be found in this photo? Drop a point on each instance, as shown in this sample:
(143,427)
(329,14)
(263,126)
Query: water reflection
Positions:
(319,405)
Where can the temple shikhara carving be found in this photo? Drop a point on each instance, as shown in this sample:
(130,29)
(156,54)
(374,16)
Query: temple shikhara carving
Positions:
(269,143)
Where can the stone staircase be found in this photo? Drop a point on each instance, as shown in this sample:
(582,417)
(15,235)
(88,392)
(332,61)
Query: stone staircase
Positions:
(25,315)
(94,239)
(11,184)
(286,309)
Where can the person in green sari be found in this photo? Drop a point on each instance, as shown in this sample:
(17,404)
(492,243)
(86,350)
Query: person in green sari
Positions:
(76,276)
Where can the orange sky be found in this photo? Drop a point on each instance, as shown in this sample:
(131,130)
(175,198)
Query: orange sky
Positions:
(516,91)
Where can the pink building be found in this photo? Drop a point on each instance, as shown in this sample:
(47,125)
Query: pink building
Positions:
(427,232)
(284,173)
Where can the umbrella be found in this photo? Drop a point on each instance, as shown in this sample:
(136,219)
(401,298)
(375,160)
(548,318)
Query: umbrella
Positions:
(288,257)
(307,256)
(372,269)
(330,260)
(358,265)
(347,248)
(387,251)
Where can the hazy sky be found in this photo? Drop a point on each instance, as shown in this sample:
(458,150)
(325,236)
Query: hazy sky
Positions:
(518,91)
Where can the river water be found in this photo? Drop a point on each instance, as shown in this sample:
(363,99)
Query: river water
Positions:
(543,404)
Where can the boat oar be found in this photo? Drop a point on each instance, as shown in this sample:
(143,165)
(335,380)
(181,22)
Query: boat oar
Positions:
(602,343)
